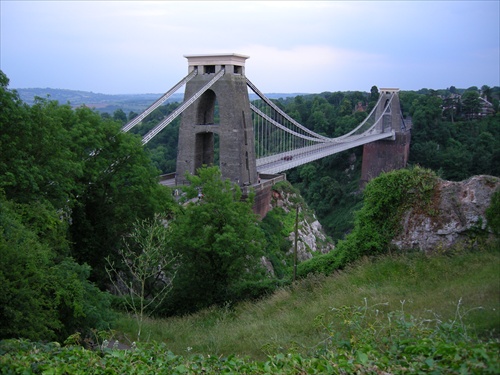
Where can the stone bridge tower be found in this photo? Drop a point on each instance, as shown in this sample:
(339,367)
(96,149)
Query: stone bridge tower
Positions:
(386,155)
(219,120)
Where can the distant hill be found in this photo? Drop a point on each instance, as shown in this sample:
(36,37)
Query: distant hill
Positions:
(101,102)
(110,103)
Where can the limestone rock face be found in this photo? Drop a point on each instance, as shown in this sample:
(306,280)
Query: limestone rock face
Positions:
(459,210)
(311,237)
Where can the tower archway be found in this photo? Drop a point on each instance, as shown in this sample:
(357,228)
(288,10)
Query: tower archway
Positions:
(205,112)
(221,114)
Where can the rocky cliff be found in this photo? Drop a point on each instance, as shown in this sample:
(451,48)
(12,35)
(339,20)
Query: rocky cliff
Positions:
(458,213)
(311,236)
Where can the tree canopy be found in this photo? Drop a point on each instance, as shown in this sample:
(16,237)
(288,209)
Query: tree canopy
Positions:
(71,186)
(219,241)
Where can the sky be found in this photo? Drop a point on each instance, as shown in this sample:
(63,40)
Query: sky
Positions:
(137,47)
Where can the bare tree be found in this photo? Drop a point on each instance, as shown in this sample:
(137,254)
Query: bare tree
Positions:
(149,269)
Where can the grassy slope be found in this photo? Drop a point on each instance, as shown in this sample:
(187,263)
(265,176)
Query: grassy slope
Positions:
(449,287)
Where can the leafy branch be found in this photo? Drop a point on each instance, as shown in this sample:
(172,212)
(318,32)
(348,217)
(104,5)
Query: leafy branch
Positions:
(150,268)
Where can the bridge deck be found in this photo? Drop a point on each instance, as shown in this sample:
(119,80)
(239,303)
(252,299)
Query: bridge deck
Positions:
(288,160)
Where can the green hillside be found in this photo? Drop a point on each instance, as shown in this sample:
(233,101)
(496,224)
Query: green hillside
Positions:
(82,214)
(387,315)
(461,289)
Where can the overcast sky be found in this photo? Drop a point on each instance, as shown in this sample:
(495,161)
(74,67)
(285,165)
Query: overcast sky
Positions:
(121,47)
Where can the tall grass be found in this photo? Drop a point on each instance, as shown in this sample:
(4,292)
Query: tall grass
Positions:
(464,286)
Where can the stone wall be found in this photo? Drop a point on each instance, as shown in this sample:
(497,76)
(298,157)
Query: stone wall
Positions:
(262,201)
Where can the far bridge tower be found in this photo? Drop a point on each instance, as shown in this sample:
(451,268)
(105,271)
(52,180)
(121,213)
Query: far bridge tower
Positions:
(391,154)
(202,129)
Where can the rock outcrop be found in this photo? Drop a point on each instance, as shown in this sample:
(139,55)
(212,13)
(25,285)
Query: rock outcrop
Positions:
(311,237)
(458,211)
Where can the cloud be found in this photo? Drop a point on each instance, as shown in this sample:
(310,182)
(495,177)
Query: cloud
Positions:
(299,46)
(308,68)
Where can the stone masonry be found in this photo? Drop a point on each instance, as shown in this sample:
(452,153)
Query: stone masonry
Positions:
(234,128)
(386,155)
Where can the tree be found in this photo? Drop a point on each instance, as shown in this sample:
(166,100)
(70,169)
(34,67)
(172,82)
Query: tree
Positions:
(426,112)
(319,122)
(117,186)
(427,154)
(457,161)
(132,115)
(450,107)
(98,178)
(493,214)
(471,104)
(120,116)
(31,166)
(219,241)
(345,107)
(150,267)
(308,173)
(373,98)
(374,93)
(44,296)
(486,92)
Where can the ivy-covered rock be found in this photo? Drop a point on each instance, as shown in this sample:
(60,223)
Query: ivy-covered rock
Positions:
(457,215)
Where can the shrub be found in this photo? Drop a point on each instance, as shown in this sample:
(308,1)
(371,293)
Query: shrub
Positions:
(43,297)
(385,199)
(493,213)
(369,341)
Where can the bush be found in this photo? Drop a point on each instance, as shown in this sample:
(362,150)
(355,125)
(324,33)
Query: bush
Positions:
(493,213)
(385,199)
(252,290)
(369,341)
(43,297)
(321,264)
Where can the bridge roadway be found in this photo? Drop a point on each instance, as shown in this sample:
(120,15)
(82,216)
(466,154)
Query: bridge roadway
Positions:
(291,159)
(275,164)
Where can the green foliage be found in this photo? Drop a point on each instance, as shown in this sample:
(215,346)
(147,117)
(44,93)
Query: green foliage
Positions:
(277,242)
(397,341)
(385,199)
(163,147)
(285,321)
(397,315)
(72,185)
(321,264)
(219,240)
(92,174)
(421,356)
(329,188)
(43,297)
(149,269)
(81,306)
(120,185)
(493,213)
(26,309)
(251,290)
(457,145)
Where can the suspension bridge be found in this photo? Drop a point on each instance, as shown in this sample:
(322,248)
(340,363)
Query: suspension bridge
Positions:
(258,138)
